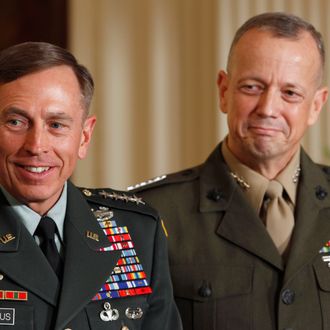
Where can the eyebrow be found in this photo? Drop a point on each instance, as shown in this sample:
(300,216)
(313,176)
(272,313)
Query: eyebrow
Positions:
(261,81)
(24,113)
(15,111)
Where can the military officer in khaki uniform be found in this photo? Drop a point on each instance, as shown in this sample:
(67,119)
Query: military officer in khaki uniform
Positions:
(69,258)
(249,230)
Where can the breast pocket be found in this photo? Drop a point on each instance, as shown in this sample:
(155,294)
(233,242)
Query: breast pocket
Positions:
(322,272)
(16,316)
(213,297)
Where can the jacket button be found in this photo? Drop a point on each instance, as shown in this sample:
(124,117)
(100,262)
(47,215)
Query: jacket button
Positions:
(214,194)
(320,193)
(205,290)
(288,296)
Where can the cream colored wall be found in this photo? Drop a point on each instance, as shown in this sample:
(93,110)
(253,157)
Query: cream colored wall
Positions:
(155,65)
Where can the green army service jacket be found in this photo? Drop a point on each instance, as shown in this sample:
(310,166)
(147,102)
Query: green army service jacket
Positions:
(115,269)
(226,271)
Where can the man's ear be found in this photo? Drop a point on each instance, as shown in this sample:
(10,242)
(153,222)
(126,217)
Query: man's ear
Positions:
(222,83)
(320,98)
(86,136)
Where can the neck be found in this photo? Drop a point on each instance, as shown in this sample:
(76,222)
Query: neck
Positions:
(268,167)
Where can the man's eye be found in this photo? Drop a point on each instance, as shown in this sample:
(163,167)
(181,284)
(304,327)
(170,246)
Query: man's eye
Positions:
(290,93)
(251,89)
(14,122)
(292,96)
(56,125)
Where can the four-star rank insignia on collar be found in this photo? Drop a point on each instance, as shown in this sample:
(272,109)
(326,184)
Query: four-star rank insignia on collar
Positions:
(128,277)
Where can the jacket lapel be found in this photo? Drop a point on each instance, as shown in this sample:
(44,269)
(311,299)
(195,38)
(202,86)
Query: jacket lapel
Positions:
(312,227)
(22,260)
(239,223)
(86,269)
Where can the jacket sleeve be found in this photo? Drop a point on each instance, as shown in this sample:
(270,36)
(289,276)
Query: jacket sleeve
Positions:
(162,313)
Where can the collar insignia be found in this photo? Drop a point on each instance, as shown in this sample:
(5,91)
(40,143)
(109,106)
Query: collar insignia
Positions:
(7,238)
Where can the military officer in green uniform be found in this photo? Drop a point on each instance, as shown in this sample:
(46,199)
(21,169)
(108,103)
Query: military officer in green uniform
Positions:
(249,229)
(69,258)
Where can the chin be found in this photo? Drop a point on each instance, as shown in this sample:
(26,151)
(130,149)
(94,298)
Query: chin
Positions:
(35,194)
(262,150)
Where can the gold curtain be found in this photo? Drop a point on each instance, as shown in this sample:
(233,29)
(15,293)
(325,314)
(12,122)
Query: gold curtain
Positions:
(155,64)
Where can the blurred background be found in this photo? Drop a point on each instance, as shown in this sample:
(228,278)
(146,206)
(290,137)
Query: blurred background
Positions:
(155,65)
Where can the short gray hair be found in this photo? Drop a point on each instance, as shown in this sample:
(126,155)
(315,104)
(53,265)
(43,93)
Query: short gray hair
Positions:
(281,25)
(30,57)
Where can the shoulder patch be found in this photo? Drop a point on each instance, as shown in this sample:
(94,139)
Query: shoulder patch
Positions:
(182,176)
(118,199)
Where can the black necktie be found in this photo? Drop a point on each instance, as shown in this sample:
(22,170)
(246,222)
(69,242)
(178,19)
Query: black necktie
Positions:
(46,230)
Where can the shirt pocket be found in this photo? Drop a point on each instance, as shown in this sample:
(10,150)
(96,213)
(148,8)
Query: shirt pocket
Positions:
(208,296)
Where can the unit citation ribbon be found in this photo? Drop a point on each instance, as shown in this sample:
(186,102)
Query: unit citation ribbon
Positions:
(128,277)
(13,295)
(325,248)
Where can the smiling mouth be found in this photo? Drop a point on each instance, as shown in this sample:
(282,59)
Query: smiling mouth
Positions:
(34,169)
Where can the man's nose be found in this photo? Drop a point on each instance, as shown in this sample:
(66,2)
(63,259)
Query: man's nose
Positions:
(268,105)
(36,140)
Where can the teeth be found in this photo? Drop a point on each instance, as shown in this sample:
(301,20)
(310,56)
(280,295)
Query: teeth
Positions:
(36,169)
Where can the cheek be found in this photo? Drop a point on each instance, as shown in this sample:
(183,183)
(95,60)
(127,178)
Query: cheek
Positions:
(67,150)
(238,113)
(296,118)
(10,145)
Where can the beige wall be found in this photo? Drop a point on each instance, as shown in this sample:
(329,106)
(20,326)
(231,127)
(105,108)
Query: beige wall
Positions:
(155,64)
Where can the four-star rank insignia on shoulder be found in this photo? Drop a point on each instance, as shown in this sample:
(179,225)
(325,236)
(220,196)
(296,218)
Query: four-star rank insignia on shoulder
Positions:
(118,196)
(128,277)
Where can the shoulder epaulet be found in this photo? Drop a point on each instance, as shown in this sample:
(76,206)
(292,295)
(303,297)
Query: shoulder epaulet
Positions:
(118,199)
(182,176)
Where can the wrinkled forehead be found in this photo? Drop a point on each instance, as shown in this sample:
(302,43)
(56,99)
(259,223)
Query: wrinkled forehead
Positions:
(258,44)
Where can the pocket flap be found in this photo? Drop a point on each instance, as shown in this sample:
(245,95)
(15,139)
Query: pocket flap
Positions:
(322,272)
(190,281)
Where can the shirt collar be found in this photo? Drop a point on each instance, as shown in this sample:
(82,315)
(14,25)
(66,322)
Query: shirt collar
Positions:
(31,219)
(289,177)
(258,184)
